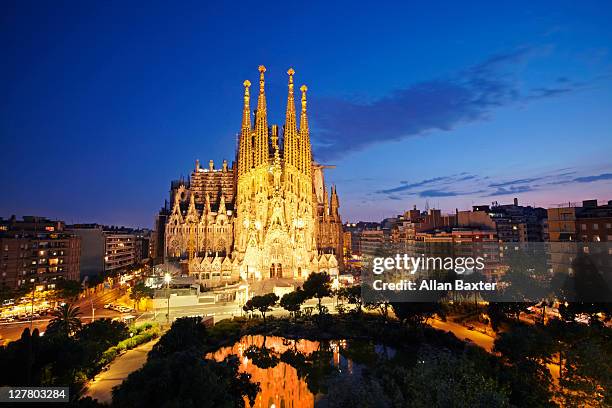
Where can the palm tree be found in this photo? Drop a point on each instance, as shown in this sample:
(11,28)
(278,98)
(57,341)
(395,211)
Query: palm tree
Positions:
(65,320)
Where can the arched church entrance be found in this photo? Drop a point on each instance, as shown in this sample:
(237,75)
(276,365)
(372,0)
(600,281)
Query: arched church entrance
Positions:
(276,270)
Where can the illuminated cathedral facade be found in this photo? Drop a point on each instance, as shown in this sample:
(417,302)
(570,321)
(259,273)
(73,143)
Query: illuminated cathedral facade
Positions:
(269,215)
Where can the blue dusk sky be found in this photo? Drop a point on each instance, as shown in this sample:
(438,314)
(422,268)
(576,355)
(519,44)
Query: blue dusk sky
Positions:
(452,104)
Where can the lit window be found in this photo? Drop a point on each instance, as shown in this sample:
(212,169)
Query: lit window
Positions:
(595,226)
(583,227)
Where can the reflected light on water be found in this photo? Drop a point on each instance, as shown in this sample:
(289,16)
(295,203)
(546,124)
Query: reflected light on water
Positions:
(280,385)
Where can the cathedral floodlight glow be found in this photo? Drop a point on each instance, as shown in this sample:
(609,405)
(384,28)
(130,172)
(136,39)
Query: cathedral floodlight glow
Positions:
(269,215)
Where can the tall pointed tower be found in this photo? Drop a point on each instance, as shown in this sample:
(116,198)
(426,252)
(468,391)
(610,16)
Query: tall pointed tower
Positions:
(306,152)
(245,148)
(291,134)
(261,123)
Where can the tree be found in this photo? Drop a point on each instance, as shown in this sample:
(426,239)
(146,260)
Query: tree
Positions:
(585,293)
(318,285)
(140,291)
(69,289)
(349,391)
(185,333)
(381,304)
(94,280)
(65,320)
(248,307)
(439,379)
(185,379)
(415,313)
(419,307)
(584,369)
(103,332)
(526,351)
(353,295)
(95,338)
(496,313)
(292,302)
(264,303)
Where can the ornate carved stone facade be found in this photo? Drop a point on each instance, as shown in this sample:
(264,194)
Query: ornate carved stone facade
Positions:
(267,216)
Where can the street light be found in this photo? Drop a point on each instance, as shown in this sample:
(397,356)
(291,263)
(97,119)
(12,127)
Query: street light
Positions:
(167,279)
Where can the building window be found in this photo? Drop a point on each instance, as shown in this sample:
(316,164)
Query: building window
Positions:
(608,225)
(583,227)
(595,226)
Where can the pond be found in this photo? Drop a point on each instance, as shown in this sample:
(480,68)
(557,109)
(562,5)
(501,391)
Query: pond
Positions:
(294,373)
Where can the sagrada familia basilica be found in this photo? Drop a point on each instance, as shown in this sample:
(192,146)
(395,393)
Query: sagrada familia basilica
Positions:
(269,215)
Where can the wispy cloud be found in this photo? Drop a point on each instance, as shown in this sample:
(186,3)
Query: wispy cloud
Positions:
(510,190)
(590,179)
(409,186)
(536,183)
(515,182)
(464,184)
(445,193)
(343,126)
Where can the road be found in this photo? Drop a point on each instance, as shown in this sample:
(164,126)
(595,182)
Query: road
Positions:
(101,386)
(463,333)
(221,311)
(12,331)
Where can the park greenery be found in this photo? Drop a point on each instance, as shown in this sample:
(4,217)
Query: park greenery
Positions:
(558,362)
(429,368)
(69,353)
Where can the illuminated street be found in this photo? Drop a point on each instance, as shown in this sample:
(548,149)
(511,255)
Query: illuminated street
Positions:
(463,333)
(12,331)
(102,385)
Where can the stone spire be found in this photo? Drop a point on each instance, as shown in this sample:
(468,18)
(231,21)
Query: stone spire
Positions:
(306,155)
(246,111)
(222,209)
(245,153)
(335,204)
(176,208)
(261,123)
(292,154)
(192,213)
(207,205)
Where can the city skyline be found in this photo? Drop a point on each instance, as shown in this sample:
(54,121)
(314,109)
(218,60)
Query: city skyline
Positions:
(110,119)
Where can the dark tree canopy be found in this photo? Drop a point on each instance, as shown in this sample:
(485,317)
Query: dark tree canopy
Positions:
(318,285)
(65,321)
(185,379)
(263,303)
(292,302)
(186,333)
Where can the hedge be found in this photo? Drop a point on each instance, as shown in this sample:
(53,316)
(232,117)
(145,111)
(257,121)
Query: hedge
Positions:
(147,332)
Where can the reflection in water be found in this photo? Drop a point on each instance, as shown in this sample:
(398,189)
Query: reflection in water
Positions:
(290,372)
